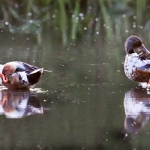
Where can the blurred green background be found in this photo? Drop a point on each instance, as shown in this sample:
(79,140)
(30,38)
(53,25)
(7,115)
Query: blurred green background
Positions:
(70,19)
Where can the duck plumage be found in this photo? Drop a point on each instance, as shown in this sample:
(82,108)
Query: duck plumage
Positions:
(137,66)
(20,75)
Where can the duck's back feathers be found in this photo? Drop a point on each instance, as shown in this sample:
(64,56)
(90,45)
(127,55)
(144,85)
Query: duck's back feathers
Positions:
(21,66)
(27,68)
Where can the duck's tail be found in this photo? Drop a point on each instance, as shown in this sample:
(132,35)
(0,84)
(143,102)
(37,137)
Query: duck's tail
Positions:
(48,70)
(35,75)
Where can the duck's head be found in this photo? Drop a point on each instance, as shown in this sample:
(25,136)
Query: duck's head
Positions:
(8,70)
(133,42)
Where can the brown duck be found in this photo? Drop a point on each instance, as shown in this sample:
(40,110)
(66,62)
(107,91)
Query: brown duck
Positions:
(137,66)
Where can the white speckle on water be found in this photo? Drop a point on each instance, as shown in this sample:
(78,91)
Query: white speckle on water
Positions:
(81,14)
(126,31)
(96,19)
(141,27)
(123,15)
(6,23)
(53,16)
(29,14)
(97,32)
(90,7)
(31,21)
(134,26)
(82,18)
(16,5)
(77,19)
(85,28)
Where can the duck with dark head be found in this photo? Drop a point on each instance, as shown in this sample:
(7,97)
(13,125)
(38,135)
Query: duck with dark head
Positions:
(137,66)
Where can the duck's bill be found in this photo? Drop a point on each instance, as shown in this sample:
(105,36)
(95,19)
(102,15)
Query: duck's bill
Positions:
(144,49)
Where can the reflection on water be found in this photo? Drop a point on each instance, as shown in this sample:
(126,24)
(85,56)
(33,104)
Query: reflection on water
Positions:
(18,104)
(137,110)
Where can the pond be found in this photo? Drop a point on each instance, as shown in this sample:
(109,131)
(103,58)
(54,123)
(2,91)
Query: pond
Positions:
(86,102)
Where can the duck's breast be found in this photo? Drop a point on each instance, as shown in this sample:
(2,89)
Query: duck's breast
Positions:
(132,62)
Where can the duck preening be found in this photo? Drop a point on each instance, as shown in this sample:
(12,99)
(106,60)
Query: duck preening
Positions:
(137,66)
(19,75)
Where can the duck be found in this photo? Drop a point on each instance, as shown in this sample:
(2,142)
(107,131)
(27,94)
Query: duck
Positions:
(19,75)
(137,65)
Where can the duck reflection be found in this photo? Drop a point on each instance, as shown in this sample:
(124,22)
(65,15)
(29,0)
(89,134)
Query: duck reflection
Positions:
(137,110)
(18,104)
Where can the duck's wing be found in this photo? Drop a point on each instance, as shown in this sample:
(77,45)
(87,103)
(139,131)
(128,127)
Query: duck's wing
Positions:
(145,68)
(21,66)
(34,76)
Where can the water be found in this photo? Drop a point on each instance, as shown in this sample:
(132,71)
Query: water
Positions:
(85,103)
